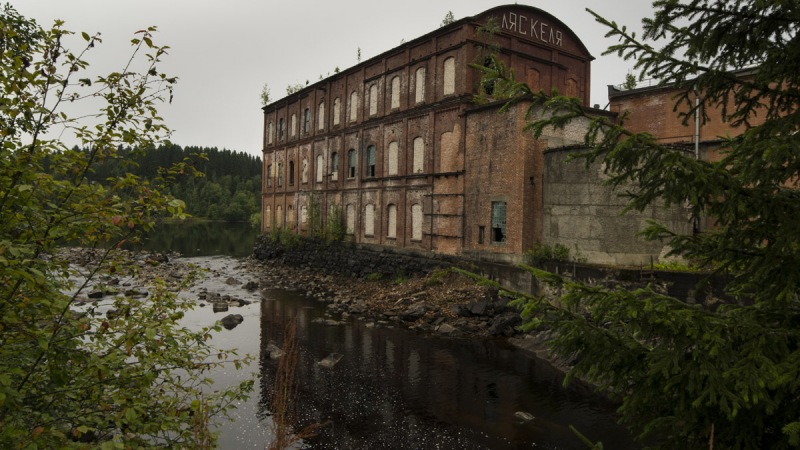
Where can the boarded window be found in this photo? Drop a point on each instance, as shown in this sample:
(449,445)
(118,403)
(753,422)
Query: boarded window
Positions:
(269,134)
(337,106)
(373,100)
(279,216)
(280,174)
(305,170)
(393,158)
(289,216)
(320,166)
(498,222)
(307,121)
(269,175)
(419,154)
(291,173)
(334,166)
(419,85)
(533,80)
(281,129)
(392,221)
(351,164)
(303,215)
(321,116)
(395,92)
(416,222)
(371,161)
(294,124)
(267,217)
(369,220)
(572,88)
(449,76)
(350,216)
(353,106)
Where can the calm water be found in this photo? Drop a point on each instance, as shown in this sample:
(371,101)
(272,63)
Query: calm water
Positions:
(203,238)
(394,388)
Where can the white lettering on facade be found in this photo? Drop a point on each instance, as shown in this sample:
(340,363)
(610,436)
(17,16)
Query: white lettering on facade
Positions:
(539,30)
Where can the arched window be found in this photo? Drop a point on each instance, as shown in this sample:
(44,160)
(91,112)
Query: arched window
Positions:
(369,220)
(307,121)
(337,106)
(303,215)
(321,116)
(373,100)
(281,129)
(305,170)
(280,174)
(267,217)
(351,163)
(353,106)
(279,216)
(395,92)
(393,158)
(334,166)
(419,85)
(416,222)
(391,231)
(572,88)
(269,134)
(371,161)
(294,125)
(449,76)
(269,175)
(320,166)
(291,173)
(350,217)
(419,154)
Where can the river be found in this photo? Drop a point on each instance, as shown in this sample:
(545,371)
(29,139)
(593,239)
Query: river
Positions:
(394,388)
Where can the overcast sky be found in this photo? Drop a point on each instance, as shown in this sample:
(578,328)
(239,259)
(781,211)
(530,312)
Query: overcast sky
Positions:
(224,51)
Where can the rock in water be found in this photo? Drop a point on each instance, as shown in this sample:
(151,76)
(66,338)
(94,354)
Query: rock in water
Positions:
(331,360)
(231,320)
(232,281)
(505,324)
(220,307)
(273,351)
(415,311)
(523,416)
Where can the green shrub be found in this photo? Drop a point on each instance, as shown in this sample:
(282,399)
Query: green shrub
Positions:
(374,276)
(401,277)
(437,275)
(543,253)
(676,266)
(335,228)
(255,220)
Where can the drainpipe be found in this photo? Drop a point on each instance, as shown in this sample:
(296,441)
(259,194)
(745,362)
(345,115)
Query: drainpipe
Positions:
(696,124)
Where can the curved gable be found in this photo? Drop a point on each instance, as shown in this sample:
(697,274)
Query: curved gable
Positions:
(537,26)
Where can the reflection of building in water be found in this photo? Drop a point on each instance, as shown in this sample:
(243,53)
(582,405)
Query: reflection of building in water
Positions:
(397,144)
(397,389)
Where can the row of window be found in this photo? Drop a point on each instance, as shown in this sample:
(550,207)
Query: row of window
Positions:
(419,77)
(392,154)
(498,229)
(350,219)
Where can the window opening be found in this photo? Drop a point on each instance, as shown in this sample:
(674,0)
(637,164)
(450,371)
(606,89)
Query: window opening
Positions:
(334,166)
(351,160)
(281,129)
(269,175)
(307,121)
(291,173)
(371,161)
(498,222)
(280,174)
(481,234)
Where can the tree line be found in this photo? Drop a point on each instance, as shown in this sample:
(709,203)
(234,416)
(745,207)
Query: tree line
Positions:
(230,189)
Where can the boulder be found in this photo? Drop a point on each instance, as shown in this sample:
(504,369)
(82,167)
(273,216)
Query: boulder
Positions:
(272,351)
(415,311)
(232,281)
(448,330)
(331,360)
(220,307)
(96,294)
(461,310)
(231,321)
(478,308)
(251,285)
(505,324)
(524,416)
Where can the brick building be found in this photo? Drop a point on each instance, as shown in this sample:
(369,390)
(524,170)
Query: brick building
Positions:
(398,145)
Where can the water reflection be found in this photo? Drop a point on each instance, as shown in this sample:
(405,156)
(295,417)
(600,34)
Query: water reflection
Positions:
(397,389)
(203,238)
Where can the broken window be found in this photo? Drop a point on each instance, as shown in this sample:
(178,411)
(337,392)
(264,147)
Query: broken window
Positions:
(291,173)
(307,121)
(269,175)
(498,222)
(371,161)
(488,85)
(280,174)
(281,129)
(351,161)
(481,234)
(334,166)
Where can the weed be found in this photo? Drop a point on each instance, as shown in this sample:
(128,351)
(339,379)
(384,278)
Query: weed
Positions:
(401,277)
(437,275)
(543,253)
(374,276)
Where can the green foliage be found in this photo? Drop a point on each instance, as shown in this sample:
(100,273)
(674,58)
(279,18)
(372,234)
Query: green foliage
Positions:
(335,226)
(630,81)
(359,54)
(314,215)
(265,94)
(292,88)
(486,34)
(676,266)
(285,237)
(543,253)
(255,220)
(437,275)
(374,276)
(448,19)
(400,277)
(66,373)
(681,370)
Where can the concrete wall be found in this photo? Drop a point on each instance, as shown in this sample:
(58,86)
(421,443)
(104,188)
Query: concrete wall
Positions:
(579,211)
